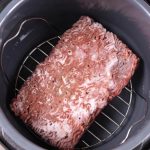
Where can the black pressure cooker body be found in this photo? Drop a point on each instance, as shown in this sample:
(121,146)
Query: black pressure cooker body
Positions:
(24,24)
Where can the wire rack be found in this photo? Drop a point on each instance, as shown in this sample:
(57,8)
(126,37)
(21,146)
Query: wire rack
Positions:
(110,119)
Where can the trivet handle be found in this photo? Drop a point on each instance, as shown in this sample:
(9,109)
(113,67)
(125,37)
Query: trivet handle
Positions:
(13,37)
(141,119)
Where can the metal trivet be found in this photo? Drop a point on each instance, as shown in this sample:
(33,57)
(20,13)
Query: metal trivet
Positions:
(109,120)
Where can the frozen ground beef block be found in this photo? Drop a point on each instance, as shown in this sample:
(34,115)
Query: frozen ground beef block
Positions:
(85,70)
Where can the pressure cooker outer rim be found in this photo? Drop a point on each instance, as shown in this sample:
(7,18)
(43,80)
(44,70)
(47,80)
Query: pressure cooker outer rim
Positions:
(8,9)
(24,143)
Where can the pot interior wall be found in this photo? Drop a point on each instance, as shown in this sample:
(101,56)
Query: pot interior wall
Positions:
(60,16)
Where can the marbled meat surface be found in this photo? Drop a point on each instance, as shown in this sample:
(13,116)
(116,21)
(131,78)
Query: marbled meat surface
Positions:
(87,68)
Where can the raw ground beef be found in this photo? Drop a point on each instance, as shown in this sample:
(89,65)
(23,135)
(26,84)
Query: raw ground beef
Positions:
(87,68)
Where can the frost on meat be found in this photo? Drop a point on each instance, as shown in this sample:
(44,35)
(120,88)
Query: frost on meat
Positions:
(86,69)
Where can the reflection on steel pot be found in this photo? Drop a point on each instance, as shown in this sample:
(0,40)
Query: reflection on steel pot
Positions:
(25,24)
